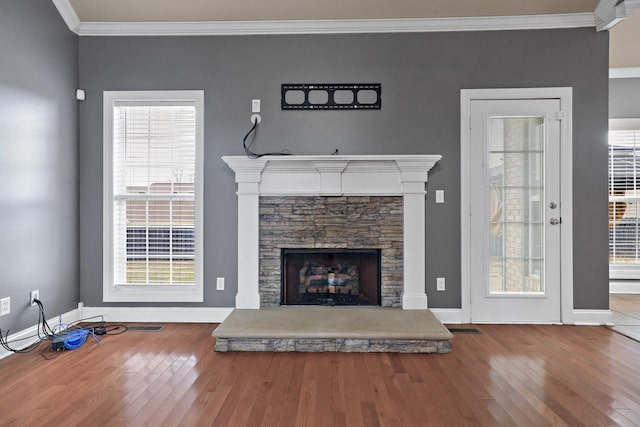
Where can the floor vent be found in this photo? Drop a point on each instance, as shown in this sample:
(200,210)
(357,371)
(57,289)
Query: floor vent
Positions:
(144,328)
(464,331)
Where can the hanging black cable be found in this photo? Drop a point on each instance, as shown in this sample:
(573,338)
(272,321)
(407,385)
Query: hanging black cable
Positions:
(43,333)
(247,148)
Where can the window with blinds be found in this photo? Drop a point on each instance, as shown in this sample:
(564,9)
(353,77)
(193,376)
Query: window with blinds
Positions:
(624,199)
(153,203)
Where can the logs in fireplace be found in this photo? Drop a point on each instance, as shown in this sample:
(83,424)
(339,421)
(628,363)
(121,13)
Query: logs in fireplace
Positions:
(330,277)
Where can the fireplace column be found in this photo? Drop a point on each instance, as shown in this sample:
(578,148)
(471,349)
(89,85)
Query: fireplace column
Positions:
(248,177)
(413,174)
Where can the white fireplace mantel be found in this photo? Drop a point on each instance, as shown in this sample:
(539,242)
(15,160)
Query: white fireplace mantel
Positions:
(383,175)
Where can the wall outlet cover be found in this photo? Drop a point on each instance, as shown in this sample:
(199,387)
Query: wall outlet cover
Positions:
(33,296)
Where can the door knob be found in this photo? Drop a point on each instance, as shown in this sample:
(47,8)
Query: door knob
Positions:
(554,221)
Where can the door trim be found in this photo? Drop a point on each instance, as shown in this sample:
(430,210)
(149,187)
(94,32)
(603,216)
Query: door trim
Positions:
(565,95)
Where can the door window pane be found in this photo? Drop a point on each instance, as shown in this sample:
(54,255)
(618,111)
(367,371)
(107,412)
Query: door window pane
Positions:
(516,219)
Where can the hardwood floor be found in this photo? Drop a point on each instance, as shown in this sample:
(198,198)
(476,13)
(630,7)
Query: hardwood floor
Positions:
(507,375)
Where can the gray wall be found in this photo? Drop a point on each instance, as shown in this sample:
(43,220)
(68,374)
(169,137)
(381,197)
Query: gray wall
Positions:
(624,98)
(38,161)
(421,76)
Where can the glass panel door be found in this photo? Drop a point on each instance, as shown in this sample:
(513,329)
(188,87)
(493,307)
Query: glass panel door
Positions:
(515,210)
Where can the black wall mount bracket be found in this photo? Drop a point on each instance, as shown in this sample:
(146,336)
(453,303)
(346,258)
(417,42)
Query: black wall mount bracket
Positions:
(331,96)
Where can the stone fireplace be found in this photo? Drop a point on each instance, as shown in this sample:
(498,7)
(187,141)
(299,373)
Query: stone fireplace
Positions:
(328,224)
(331,202)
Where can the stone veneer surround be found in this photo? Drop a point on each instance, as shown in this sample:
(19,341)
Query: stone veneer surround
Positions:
(322,222)
(381,175)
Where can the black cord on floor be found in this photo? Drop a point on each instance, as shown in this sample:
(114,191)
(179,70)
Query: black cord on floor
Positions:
(45,333)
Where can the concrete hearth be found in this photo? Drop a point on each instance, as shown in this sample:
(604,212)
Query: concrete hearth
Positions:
(333,329)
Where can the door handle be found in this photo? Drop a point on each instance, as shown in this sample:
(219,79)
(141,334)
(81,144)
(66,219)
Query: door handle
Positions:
(555,221)
(553,205)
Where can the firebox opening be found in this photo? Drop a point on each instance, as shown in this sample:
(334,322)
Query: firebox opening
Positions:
(330,276)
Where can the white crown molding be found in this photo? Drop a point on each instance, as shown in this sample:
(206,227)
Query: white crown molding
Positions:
(624,73)
(609,13)
(342,26)
(68,13)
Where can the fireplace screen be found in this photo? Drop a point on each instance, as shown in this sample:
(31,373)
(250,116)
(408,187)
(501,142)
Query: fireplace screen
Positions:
(330,277)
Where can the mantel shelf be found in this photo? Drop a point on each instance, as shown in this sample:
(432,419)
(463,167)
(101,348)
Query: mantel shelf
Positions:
(333,175)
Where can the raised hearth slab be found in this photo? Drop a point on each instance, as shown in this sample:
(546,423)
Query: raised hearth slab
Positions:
(338,329)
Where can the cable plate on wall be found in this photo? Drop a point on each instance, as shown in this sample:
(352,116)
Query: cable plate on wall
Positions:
(335,96)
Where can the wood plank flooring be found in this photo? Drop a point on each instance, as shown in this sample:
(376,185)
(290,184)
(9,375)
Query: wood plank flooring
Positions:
(521,375)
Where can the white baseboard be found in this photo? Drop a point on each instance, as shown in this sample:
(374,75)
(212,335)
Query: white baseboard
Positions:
(448,315)
(592,317)
(580,317)
(159,314)
(624,287)
(67,317)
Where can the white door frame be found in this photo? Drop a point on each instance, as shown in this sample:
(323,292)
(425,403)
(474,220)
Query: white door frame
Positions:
(565,95)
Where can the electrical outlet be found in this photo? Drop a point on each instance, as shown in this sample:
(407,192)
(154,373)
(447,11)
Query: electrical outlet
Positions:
(440,284)
(34,295)
(5,306)
(220,284)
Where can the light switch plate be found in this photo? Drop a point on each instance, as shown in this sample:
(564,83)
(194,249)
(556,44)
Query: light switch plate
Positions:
(439,196)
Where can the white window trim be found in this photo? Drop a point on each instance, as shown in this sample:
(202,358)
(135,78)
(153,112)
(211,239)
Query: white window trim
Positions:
(621,271)
(150,293)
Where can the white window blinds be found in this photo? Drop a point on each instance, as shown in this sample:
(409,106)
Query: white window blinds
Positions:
(624,202)
(154,170)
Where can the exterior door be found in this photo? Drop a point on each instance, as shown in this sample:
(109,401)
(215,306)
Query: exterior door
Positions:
(515,209)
